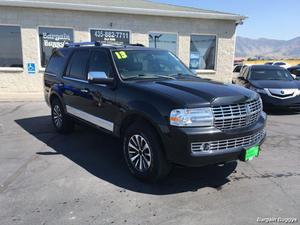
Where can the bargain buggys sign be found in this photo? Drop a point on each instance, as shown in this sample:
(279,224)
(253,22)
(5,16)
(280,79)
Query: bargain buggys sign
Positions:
(53,38)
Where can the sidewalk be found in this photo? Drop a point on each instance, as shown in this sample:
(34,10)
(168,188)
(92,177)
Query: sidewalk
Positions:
(21,97)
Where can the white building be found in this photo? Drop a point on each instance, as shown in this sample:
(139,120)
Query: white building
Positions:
(204,40)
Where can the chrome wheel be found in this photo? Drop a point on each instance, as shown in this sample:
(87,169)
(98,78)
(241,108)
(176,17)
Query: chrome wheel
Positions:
(57,116)
(139,153)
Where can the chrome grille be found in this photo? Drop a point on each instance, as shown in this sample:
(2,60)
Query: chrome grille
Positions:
(228,117)
(228,143)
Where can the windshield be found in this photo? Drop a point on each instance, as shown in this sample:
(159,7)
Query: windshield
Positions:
(143,64)
(270,74)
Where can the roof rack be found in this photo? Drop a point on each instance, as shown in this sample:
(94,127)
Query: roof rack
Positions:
(136,44)
(98,43)
(80,44)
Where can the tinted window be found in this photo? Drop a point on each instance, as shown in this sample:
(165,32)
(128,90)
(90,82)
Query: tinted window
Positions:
(202,52)
(57,62)
(100,62)
(52,38)
(237,69)
(163,41)
(78,64)
(11,48)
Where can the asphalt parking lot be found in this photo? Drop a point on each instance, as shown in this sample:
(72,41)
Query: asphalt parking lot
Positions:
(47,178)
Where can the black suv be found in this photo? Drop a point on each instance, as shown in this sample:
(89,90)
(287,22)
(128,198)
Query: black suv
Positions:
(164,114)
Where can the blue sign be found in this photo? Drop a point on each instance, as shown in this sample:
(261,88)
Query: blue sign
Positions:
(31,68)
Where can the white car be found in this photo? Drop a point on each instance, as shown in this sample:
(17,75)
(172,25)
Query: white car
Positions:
(238,69)
(281,64)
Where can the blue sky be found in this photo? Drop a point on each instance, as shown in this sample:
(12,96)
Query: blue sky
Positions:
(275,19)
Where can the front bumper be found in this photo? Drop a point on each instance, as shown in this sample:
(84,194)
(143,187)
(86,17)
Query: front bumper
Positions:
(270,101)
(178,143)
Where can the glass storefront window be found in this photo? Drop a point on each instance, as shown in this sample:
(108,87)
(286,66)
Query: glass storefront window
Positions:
(163,41)
(53,38)
(11,47)
(203,52)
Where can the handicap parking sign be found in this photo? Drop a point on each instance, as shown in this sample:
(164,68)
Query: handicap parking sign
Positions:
(31,68)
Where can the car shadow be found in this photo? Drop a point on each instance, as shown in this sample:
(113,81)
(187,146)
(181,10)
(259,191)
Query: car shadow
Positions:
(101,155)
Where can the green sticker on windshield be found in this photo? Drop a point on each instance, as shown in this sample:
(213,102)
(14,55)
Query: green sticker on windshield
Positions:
(121,55)
(118,55)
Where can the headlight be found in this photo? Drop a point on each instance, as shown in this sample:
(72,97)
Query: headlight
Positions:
(198,117)
(258,90)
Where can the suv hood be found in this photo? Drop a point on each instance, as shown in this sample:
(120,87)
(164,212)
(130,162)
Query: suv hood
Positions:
(195,92)
(275,84)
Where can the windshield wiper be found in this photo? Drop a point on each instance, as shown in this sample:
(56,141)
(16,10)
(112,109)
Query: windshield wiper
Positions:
(135,77)
(181,75)
(165,76)
(148,76)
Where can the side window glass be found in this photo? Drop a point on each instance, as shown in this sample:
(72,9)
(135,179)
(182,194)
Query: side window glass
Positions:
(246,74)
(243,71)
(57,62)
(100,62)
(77,65)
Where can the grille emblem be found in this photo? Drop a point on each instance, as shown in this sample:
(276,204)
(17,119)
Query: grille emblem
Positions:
(282,92)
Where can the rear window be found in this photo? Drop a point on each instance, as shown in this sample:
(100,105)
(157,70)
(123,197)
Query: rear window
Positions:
(56,63)
(237,69)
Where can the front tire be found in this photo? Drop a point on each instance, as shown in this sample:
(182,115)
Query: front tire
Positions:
(144,154)
(61,122)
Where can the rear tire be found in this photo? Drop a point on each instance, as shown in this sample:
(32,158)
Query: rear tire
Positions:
(61,122)
(144,154)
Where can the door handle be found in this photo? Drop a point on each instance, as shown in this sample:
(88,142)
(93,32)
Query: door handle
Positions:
(84,90)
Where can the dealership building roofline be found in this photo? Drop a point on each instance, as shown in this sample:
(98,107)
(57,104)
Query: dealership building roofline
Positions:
(137,7)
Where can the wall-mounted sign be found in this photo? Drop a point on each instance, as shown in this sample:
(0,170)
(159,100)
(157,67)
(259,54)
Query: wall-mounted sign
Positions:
(50,38)
(31,68)
(110,36)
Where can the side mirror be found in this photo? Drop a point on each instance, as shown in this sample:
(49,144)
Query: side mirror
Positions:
(99,77)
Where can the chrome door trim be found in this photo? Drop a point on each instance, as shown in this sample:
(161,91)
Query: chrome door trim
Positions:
(90,118)
(75,79)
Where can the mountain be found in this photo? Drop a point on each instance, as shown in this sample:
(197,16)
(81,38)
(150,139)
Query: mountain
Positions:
(267,48)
